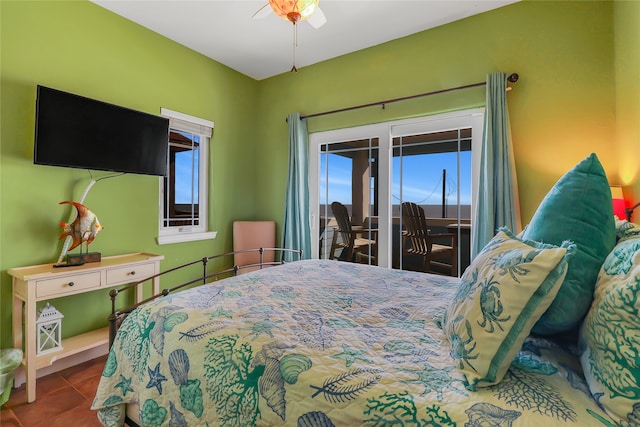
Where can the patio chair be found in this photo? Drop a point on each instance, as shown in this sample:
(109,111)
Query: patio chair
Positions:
(350,240)
(423,243)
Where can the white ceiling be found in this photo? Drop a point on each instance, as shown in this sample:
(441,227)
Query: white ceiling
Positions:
(225,31)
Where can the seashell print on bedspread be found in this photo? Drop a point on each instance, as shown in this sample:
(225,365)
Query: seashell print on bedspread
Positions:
(323,343)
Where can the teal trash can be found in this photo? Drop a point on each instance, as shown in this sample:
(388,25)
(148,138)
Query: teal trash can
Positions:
(10,359)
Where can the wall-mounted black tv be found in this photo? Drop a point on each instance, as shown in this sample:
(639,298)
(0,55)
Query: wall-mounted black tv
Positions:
(78,132)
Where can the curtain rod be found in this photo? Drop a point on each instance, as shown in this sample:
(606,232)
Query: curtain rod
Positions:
(513,77)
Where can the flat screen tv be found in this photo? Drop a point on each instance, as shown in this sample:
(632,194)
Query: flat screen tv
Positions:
(78,132)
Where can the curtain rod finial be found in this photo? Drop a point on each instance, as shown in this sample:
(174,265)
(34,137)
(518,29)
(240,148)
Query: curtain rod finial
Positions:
(513,77)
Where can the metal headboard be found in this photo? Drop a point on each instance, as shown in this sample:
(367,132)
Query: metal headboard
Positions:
(117,316)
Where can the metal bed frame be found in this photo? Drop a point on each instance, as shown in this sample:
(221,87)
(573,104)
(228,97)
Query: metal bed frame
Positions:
(117,316)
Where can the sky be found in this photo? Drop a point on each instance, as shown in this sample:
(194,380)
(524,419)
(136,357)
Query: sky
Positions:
(183,174)
(421,178)
(421,181)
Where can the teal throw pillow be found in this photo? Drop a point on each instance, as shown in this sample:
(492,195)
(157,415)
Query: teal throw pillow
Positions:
(504,291)
(578,208)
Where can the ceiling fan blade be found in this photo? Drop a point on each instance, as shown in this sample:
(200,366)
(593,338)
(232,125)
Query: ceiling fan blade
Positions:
(263,12)
(317,18)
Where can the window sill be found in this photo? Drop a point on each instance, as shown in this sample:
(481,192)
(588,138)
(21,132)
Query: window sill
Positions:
(186,237)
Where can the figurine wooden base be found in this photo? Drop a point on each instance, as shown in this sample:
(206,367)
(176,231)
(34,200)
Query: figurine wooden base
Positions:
(78,259)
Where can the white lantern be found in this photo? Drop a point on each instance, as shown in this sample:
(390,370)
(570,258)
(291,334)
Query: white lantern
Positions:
(49,330)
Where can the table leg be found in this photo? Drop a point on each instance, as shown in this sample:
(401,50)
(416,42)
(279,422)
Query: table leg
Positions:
(17,329)
(30,349)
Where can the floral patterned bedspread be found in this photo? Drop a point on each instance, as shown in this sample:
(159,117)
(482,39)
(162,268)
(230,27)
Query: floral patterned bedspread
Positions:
(323,343)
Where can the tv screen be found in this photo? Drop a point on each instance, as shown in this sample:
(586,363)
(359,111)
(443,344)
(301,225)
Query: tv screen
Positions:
(78,132)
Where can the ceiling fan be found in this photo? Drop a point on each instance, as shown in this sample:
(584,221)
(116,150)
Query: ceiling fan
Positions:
(294,11)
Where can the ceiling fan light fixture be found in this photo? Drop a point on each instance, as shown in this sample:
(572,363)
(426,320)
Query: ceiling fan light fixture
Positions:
(294,10)
(294,17)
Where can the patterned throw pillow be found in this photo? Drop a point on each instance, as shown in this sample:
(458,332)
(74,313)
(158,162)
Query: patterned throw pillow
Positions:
(504,291)
(610,334)
(626,230)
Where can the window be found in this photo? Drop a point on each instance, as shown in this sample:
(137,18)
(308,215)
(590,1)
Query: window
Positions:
(432,161)
(184,196)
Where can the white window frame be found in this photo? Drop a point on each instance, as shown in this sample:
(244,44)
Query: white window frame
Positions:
(385,132)
(179,234)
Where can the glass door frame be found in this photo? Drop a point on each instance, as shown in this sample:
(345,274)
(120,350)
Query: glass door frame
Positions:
(385,132)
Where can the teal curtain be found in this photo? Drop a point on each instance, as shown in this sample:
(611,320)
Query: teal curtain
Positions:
(296,232)
(498,203)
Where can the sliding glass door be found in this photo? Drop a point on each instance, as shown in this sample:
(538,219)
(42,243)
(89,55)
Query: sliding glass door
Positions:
(347,175)
(430,161)
(433,170)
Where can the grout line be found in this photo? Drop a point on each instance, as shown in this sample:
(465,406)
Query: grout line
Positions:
(13,417)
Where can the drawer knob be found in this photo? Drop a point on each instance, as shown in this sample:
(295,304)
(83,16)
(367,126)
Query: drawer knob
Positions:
(71,283)
(133,273)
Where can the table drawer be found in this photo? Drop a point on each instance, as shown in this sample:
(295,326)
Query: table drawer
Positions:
(67,285)
(129,274)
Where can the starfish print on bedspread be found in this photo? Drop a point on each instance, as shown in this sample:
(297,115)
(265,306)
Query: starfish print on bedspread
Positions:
(434,379)
(263,327)
(156,378)
(124,384)
(220,312)
(350,355)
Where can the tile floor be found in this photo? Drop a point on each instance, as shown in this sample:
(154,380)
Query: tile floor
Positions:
(62,399)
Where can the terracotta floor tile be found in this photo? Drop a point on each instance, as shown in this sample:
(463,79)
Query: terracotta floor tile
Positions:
(18,397)
(50,384)
(62,399)
(50,406)
(80,416)
(84,371)
(44,386)
(9,419)
(88,387)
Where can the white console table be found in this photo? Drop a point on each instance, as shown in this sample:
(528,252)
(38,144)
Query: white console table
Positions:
(44,282)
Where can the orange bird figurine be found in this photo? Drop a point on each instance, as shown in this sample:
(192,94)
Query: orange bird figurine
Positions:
(83,229)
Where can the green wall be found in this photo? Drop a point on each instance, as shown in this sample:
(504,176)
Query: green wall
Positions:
(85,49)
(627,66)
(563,104)
(562,109)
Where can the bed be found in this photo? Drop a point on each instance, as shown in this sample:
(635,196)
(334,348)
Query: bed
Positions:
(542,329)
(324,343)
